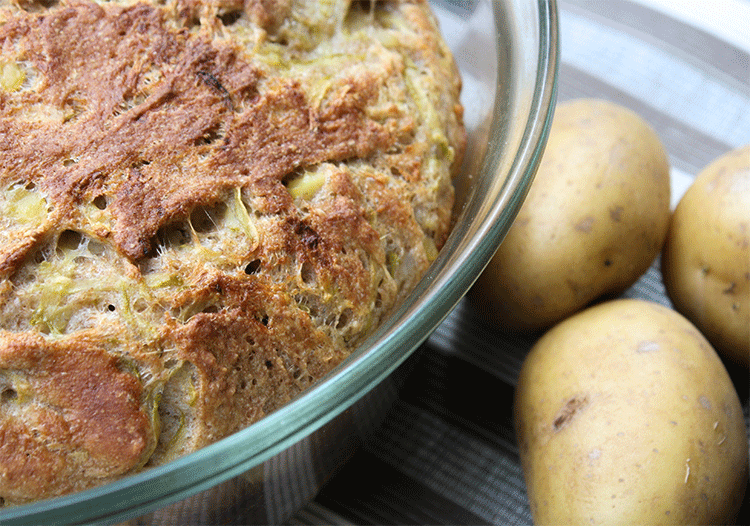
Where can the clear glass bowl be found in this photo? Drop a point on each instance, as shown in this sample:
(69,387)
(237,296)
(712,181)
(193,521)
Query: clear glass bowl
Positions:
(507,52)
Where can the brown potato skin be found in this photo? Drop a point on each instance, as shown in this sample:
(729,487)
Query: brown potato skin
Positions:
(706,258)
(594,219)
(625,414)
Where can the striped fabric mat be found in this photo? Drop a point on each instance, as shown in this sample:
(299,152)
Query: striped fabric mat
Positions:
(446,453)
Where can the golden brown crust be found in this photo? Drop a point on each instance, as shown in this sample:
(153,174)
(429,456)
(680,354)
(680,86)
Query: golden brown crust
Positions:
(154,155)
(83,414)
(205,205)
(236,385)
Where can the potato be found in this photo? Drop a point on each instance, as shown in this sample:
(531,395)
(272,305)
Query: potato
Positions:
(625,414)
(594,220)
(706,258)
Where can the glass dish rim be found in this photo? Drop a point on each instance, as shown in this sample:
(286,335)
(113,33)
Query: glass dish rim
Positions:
(137,494)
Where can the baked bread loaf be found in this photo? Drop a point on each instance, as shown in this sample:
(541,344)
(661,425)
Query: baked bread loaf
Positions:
(205,205)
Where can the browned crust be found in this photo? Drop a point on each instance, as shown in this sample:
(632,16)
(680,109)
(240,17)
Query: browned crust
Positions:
(237,386)
(80,402)
(152,159)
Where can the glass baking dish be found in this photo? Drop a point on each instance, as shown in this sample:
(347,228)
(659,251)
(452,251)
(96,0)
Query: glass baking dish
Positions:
(507,52)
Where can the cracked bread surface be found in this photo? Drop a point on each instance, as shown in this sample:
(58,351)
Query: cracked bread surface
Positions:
(205,206)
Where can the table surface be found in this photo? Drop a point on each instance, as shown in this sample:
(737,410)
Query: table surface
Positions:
(443,458)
